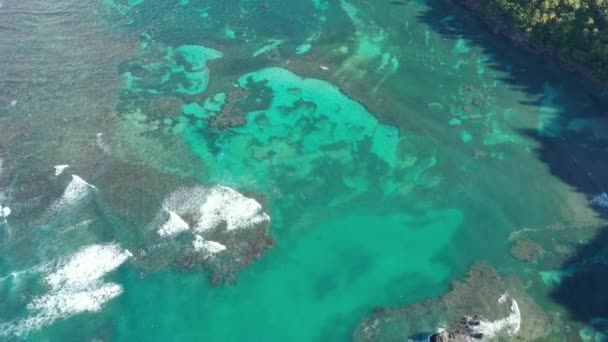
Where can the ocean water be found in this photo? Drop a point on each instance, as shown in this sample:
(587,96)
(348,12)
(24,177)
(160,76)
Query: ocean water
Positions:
(278,171)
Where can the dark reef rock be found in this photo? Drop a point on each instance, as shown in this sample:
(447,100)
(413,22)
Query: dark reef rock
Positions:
(441,336)
(231,115)
(244,247)
(197,228)
(185,261)
(223,121)
(526,250)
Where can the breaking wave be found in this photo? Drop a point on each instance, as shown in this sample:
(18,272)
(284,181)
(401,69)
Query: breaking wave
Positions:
(75,285)
(174,225)
(207,248)
(60,168)
(76,190)
(509,324)
(209,208)
(223,204)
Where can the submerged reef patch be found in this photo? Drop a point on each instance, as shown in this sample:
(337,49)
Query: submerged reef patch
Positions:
(182,70)
(526,250)
(305,127)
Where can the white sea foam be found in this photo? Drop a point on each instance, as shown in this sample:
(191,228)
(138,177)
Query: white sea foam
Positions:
(65,303)
(211,207)
(76,190)
(208,248)
(503,298)
(223,204)
(54,306)
(75,285)
(4,212)
(101,144)
(60,168)
(185,201)
(174,225)
(601,200)
(509,324)
(87,266)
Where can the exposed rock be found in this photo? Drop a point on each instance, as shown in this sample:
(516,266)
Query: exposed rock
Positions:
(441,336)
(215,228)
(243,247)
(485,307)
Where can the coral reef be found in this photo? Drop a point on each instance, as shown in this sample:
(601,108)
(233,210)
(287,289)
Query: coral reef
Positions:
(526,250)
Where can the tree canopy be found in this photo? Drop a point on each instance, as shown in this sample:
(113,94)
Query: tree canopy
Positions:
(576,29)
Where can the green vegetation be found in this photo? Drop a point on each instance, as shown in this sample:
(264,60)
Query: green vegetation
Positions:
(577,30)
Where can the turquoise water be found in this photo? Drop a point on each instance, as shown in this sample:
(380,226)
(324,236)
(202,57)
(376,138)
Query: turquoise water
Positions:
(251,170)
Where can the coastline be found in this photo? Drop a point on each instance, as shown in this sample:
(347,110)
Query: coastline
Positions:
(519,39)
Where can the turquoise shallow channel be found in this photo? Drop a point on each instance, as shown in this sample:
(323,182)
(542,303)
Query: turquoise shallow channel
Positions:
(307,170)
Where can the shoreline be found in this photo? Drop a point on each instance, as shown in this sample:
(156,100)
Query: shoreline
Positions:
(598,86)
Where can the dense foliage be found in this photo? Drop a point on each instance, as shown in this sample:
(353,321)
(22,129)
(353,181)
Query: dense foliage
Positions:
(576,29)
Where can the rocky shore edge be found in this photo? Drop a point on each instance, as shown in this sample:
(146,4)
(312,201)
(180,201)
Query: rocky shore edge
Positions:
(519,39)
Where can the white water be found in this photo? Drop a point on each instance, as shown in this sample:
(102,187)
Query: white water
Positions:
(208,248)
(4,212)
(601,200)
(226,205)
(76,190)
(64,304)
(60,168)
(86,266)
(509,324)
(174,225)
(75,285)
(209,208)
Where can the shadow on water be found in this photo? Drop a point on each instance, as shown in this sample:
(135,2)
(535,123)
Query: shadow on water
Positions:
(577,157)
(582,162)
(520,69)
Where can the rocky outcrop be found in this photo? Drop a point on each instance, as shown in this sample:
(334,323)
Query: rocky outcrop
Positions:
(214,228)
(484,307)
